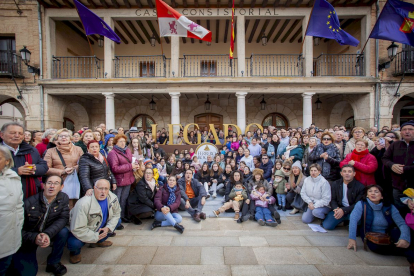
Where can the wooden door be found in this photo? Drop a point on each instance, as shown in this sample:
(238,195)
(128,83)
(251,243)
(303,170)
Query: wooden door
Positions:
(203,120)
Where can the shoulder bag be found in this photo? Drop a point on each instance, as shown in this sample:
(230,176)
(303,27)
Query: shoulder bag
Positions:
(374,237)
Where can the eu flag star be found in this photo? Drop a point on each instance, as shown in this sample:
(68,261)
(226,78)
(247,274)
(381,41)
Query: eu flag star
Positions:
(329,16)
(330,27)
(328,23)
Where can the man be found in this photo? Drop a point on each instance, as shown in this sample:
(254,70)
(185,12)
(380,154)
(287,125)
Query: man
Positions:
(157,149)
(193,196)
(93,219)
(255,148)
(27,162)
(345,193)
(374,129)
(285,137)
(209,161)
(399,157)
(45,217)
(37,137)
(266,166)
(46,137)
(143,141)
(340,143)
(336,128)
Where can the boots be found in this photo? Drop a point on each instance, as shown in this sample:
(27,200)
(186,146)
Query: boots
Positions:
(101,244)
(236,216)
(155,224)
(74,259)
(179,228)
(277,217)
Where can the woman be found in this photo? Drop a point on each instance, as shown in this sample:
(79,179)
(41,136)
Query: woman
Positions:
(196,164)
(99,137)
(47,135)
(120,161)
(192,138)
(215,179)
(378,216)
(141,200)
(86,137)
(247,175)
(217,160)
(178,170)
(170,164)
(76,137)
(239,156)
(63,159)
(138,174)
(92,167)
(365,164)
(162,169)
(272,147)
(11,210)
(286,169)
(258,134)
(371,135)
(166,201)
(357,133)
(191,152)
(163,139)
(108,145)
(316,192)
(294,186)
(305,142)
(176,153)
(307,152)
(299,136)
(327,156)
(294,152)
(28,137)
(203,176)
(248,159)
(235,177)
(256,162)
(226,175)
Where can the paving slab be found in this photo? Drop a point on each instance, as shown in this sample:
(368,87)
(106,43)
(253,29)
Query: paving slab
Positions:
(111,255)
(292,270)
(376,259)
(352,270)
(73,269)
(151,240)
(138,255)
(289,241)
(327,240)
(121,240)
(187,270)
(212,255)
(239,256)
(278,255)
(341,255)
(115,270)
(313,255)
(205,241)
(176,255)
(248,270)
(253,241)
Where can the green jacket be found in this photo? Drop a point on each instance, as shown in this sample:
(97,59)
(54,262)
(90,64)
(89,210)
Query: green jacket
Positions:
(280,189)
(232,195)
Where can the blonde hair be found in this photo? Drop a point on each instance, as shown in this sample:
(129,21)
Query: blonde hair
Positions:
(7,155)
(88,131)
(55,137)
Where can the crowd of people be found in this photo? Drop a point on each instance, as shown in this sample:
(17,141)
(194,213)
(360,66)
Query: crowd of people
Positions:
(65,189)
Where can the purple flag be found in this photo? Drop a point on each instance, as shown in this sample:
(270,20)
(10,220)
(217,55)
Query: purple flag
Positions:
(93,24)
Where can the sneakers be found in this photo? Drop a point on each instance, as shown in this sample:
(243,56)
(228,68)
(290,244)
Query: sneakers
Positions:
(203,216)
(155,224)
(179,228)
(294,211)
(74,259)
(216,213)
(236,216)
(271,223)
(214,195)
(261,222)
(101,244)
(57,269)
(277,217)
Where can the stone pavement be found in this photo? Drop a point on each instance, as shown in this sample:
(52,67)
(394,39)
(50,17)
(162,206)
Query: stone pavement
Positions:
(220,246)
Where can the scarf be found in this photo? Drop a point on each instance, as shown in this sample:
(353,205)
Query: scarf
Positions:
(100,158)
(123,150)
(151,184)
(171,197)
(287,174)
(357,156)
(64,148)
(30,182)
(288,149)
(295,180)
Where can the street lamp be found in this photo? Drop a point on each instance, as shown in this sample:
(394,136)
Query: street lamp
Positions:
(392,51)
(100,42)
(26,54)
(207,104)
(263,104)
(152,103)
(264,40)
(318,103)
(153,40)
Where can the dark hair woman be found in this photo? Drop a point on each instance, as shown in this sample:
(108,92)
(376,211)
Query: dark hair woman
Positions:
(235,177)
(178,170)
(215,179)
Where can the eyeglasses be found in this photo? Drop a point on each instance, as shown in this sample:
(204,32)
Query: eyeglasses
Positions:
(148,173)
(326,139)
(288,169)
(52,183)
(103,189)
(63,136)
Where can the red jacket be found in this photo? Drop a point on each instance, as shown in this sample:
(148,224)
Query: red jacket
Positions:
(366,168)
(42,147)
(121,166)
(161,199)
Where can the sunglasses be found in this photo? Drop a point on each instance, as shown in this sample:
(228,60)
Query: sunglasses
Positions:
(392,137)
(288,169)
(326,139)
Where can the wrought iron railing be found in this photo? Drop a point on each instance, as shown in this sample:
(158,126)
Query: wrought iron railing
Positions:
(84,67)
(339,65)
(404,63)
(271,65)
(140,66)
(10,64)
(207,66)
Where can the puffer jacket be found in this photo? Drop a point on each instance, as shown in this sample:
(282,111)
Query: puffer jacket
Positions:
(202,178)
(365,168)
(330,166)
(91,170)
(258,202)
(40,219)
(11,213)
(121,166)
(141,199)
(316,190)
(161,199)
(86,217)
(71,158)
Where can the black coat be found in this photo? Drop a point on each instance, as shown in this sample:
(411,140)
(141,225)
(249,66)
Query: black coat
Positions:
(267,169)
(159,150)
(141,199)
(198,188)
(203,177)
(35,213)
(355,192)
(91,170)
(19,160)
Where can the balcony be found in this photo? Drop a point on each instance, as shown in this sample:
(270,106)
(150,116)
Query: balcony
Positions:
(404,63)
(336,65)
(84,67)
(265,65)
(10,65)
(208,66)
(140,66)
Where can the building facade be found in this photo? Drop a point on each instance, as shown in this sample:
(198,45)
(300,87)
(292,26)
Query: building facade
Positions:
(192,81)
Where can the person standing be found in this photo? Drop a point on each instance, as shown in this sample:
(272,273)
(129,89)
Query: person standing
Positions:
(254,147)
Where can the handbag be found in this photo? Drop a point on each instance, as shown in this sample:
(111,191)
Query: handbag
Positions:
(71,185)
(374,237)
(299,203)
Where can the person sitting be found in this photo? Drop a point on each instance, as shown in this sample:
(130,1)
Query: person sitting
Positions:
(93,219)
(166,201)
(237,196)
(45,217)
(266,166)
(262,201)
(193,196)
(294,186)
(346,192)
(316,192)
(378,216)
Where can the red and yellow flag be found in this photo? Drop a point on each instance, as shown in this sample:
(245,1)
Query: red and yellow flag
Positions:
(232,33)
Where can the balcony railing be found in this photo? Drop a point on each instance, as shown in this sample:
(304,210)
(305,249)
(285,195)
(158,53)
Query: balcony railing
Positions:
(404,63)
(10,64)
(207,66)
(85,67)
(140,66)
(268,65)
(339,65)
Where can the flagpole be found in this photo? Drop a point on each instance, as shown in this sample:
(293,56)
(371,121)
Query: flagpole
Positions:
(158,23)
(304,37)
(87,37)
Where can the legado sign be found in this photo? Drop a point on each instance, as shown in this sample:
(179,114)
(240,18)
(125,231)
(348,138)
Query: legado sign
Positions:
(212,130)
(204,150)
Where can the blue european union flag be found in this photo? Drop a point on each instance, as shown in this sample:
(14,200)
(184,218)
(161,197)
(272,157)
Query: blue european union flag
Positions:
(93,24)
(395,23)
(324,22)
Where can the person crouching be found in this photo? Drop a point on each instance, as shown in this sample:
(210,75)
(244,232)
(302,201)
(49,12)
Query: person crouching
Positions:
(237,195)
(262,202)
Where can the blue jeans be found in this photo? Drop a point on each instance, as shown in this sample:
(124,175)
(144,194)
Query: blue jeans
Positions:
(281,199)
(75,245)
(263,213)
(330,222)
(4,264)
(310,215)
(169,219)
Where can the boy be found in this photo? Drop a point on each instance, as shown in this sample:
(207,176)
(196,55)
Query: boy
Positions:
(279,184)
(262,201)
(237,195)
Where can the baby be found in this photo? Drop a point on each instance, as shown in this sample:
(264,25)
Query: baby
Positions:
(237,195)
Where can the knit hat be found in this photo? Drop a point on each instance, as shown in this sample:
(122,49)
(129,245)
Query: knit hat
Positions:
(297,164)
(146,161)
(279,173)
(409,123)
(258,171)
(107,137)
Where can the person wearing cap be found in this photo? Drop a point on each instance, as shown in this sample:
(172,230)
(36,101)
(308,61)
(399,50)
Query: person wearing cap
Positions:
(399,157)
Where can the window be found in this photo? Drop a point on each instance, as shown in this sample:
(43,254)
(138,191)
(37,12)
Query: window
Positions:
(408,58)
(275,119)
(208,68)
(350,123)
(147,69)
(8,59)
(69,124)
(143,121)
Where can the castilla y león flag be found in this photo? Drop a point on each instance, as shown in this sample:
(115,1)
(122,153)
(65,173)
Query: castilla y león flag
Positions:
(172,23)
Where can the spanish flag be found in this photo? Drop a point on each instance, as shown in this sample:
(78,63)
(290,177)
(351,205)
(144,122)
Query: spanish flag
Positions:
(232,33)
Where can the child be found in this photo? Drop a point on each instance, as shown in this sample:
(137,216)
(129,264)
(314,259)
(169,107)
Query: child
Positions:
(223,150)
(228,142)
(263,214)
(409,218)
(237,195)
(234,145)
(191,152)
(279,184)
(196,164)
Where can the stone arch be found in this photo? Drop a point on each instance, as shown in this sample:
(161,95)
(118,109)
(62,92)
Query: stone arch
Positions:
(20,105)
(288,113)
(397,110)
(340,112)
(128,116)
(394,100)
(213,109)
(77,113)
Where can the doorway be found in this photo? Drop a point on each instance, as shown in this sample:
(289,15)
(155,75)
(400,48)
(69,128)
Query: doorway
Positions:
(203,120)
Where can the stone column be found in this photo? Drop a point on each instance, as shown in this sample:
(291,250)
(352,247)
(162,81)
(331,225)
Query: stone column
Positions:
(175,56)
(109,51)
(241,110)
(109,110)
(307,109)
(307,50)
(365,32)
(50,46)
(175,107)
(241,47)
